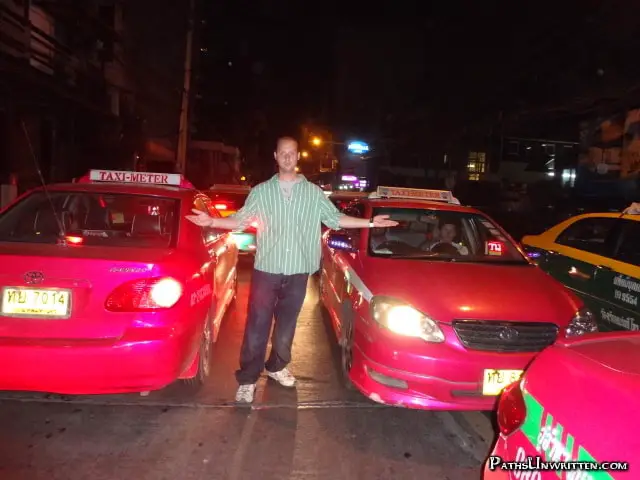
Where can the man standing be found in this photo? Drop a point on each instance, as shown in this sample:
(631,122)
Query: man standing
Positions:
(289,211)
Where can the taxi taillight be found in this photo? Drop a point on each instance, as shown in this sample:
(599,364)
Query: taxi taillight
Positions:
(512,410)
(146,294)
(73,240)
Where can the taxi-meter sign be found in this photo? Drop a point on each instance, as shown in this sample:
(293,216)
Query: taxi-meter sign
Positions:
(496,380)
(136,177)
(418,193)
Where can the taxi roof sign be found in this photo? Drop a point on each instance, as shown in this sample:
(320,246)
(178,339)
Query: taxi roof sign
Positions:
(415,193)
(139,178)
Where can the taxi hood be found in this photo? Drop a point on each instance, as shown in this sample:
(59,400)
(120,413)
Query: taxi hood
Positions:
(481,291)
(616,351)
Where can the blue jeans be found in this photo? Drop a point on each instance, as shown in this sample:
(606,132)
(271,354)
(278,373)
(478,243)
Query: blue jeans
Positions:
(271,295)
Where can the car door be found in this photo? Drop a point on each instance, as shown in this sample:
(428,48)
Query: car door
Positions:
(579,252)
(617,283)
(343,259)
(215,241)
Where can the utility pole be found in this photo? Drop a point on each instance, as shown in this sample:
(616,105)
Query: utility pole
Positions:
(183,133)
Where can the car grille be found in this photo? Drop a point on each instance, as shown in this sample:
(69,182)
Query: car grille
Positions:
(497,336)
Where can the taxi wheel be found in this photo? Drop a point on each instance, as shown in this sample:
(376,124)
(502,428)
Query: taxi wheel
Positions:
(204,358)
(346,354)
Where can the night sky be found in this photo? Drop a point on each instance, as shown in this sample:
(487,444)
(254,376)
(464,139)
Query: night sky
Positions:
(414,73)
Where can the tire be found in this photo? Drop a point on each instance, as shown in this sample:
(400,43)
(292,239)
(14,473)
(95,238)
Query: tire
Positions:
(346,354)
(205,354)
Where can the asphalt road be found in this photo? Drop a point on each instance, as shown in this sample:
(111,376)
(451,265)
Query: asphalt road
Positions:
(317,431)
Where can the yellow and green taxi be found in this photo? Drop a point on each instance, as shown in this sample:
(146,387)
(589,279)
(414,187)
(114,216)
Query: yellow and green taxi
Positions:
(597,255)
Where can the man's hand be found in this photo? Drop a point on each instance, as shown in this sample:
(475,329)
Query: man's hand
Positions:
(202,219)
(633,209)
(382,221)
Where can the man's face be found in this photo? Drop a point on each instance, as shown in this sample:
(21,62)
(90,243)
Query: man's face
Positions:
(287,156)
(447,233)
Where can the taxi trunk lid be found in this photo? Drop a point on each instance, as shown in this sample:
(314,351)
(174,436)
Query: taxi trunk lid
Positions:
(79,279)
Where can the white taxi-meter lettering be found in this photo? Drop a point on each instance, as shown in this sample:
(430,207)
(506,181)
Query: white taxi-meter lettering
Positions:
(200,294)
(135,177)
(414,193)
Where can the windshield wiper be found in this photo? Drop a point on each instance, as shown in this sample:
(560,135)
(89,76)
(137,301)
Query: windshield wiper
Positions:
(421,256)
(462,259)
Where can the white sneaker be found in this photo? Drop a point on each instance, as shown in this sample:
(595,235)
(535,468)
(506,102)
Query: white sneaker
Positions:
(245,393)
(283,377)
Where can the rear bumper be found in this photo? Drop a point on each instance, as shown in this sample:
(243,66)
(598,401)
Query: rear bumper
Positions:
(92,369)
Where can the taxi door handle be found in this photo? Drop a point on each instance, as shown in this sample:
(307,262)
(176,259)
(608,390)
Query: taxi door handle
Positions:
(575,273)
(604,267)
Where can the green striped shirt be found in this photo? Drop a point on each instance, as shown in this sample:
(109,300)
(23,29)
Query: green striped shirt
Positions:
(289,231)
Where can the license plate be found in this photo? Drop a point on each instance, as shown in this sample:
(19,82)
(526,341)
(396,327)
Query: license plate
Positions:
(32,302)
(495,380)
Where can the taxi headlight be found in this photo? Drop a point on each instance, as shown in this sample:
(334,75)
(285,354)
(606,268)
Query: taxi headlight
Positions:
(583,322)
(405,320)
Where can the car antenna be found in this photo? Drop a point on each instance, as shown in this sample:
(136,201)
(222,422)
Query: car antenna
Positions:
(61,229)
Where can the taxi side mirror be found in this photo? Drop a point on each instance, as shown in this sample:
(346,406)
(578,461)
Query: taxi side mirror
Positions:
(341,241)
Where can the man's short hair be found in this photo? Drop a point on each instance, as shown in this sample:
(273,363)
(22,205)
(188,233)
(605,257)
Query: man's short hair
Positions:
(285,139)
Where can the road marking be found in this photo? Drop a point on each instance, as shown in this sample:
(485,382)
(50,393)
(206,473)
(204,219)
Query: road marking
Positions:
(237,462)
(221,405)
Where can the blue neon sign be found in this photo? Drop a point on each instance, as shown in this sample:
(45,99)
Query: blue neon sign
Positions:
(358,147)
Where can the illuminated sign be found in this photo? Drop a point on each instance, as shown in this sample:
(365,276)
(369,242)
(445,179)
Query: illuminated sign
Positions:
(136,177)
(358,147)
(495,248)
(418,193)
(349,178)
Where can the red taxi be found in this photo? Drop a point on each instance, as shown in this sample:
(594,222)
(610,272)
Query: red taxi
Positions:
(107,288)
(227,200)
(576,403)
(442,311)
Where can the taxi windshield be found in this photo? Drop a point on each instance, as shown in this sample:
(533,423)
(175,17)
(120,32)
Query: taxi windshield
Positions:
(441,235)
(105,220)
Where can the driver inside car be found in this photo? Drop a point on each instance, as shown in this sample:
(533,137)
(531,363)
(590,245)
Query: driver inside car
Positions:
(448,233)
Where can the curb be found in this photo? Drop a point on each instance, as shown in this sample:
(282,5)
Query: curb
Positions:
(474,431)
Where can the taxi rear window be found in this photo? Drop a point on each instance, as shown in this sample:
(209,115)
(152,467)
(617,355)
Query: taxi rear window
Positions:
(106,220)
(442,235)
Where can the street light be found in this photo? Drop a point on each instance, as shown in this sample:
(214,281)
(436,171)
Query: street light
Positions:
(305,154)
(316,141)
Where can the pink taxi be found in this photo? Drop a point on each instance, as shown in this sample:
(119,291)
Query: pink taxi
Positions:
(107,288)
(573,415)
(442,311)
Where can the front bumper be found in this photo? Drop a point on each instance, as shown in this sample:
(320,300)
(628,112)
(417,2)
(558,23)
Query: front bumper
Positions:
(398,371)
